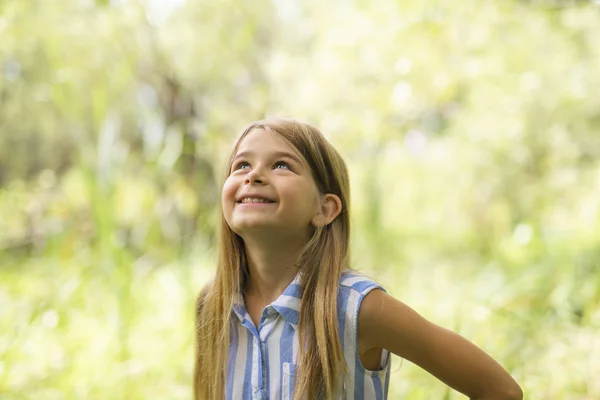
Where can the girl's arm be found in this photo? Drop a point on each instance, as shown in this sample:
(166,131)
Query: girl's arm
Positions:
(385,322)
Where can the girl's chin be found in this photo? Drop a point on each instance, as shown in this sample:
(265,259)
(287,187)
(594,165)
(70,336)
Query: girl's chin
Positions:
(253,227)
(249,228)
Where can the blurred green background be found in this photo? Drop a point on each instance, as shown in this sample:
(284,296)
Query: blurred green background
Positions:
(471,129)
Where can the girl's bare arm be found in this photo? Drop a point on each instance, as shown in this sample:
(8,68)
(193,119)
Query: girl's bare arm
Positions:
(385,322)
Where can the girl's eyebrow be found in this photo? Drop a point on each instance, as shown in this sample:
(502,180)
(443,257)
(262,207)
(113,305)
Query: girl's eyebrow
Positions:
(275,154)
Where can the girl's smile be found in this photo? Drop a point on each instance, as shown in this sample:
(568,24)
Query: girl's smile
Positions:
(250,200)
(254,199)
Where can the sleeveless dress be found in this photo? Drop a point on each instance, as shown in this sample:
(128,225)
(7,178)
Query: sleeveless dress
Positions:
(262,360)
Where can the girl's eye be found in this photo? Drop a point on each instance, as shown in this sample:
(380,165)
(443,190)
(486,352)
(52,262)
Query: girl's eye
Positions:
(282,165)
(241,165)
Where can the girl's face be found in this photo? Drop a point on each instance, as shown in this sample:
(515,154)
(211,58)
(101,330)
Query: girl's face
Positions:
(270,188)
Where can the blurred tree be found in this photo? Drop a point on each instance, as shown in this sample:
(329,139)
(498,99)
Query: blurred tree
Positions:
(470,130)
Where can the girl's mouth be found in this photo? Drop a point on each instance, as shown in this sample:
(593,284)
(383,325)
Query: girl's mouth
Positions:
(255,200)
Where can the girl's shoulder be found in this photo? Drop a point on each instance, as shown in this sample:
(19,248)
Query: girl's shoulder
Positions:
(353,288)
(355,282)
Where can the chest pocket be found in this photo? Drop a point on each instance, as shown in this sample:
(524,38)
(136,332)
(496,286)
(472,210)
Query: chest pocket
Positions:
(287,381)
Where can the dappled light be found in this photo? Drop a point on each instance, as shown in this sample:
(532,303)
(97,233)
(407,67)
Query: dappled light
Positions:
(471,131)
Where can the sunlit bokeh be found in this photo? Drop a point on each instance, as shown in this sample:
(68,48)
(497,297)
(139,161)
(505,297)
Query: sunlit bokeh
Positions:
(472,134)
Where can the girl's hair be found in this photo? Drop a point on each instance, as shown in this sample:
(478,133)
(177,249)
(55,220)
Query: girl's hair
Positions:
(321,262)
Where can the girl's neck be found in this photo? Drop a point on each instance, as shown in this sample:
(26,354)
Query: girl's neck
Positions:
(271,266)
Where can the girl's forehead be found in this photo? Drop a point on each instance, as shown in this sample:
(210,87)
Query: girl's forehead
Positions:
(265,141)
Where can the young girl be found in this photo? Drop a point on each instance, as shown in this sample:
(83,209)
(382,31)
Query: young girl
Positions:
(285,318)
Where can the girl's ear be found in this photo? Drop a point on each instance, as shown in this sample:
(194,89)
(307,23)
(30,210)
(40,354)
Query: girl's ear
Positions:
(329,209)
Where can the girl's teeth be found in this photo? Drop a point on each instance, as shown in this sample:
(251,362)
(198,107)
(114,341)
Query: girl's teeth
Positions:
(254,201)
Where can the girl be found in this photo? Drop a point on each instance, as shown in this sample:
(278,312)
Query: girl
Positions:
(284,317)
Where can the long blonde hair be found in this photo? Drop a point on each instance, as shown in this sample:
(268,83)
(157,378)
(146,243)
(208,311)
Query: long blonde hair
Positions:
(321,261)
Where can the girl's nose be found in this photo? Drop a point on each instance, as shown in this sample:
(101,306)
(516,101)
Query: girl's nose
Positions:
(254,177)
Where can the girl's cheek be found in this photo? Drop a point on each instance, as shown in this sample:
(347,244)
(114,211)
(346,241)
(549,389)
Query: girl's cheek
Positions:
(229,190)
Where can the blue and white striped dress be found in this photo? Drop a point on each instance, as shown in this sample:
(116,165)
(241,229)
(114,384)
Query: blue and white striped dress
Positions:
(262,360)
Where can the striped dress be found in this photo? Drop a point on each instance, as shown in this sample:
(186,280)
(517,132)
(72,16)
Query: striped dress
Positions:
(262,360)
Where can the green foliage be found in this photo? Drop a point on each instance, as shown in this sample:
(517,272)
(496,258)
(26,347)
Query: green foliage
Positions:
(471,132)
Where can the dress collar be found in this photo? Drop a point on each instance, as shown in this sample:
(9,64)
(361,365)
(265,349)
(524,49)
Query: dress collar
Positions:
(287,304)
